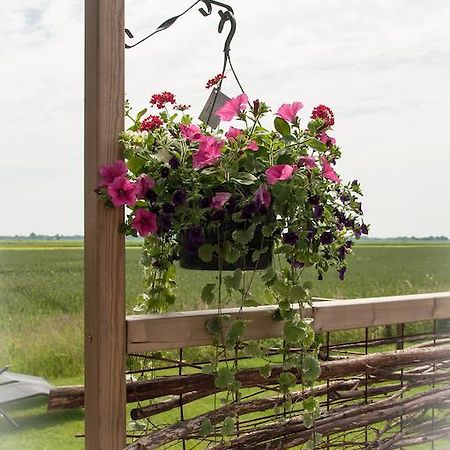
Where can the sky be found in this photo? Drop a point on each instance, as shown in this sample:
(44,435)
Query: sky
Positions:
(383,66)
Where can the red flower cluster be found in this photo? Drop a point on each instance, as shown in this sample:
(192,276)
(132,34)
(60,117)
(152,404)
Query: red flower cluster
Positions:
(150,123)
(160,100)
(324,113)
(213,81)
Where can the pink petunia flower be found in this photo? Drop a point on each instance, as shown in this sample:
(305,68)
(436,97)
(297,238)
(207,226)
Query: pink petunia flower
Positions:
(144,184)
(232,108)
(253,146)
(208,153)
(122,192)
(262,196)
(289,111)
(279,172)
(191,132)
(328,140)
(233,133)
(144,222)
(109,172)
(219,200)
(328,172)
(308,161)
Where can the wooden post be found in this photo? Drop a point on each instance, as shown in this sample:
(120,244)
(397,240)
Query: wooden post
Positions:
(104,246)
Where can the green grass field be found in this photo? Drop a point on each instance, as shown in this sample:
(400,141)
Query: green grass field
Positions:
(41,313)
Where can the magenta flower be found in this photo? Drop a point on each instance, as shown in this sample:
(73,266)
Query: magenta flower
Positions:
(262,196)
(233,133)
(289,111)
(144,222)
(232,108)
(144,184)
(253,146)
(122,192)
(328,172)
(208,153)
(308,161)
(279,172)
(191,132)
(328,140)
(219,200)
(109,172)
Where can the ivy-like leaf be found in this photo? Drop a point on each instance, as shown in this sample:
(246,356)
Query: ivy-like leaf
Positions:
(135,164)
(253,349)
(206,428)
(243,237)
(225,378)
(235,333)
(228,426)
(208,293)
(205,252)
(265,371)
(286,381)
(311,368)
(233,281)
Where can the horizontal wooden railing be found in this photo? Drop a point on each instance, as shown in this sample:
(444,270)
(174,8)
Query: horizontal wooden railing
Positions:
(187,329)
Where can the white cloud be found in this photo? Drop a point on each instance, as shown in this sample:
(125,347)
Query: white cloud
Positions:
(383,66)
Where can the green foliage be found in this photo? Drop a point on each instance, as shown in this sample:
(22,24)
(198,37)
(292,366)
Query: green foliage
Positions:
(227,427)
(282,126)
(206,428)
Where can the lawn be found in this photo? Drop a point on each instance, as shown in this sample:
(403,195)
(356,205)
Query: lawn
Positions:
(41,311)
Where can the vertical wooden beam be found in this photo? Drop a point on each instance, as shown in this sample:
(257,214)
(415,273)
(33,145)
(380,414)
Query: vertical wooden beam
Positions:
(104,247)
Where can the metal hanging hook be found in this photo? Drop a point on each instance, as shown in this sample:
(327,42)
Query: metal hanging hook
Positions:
(225,16)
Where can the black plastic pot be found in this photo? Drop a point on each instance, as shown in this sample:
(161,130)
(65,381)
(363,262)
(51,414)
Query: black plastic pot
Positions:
(189,258)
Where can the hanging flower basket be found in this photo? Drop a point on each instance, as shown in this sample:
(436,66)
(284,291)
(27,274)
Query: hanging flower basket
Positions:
(227,199)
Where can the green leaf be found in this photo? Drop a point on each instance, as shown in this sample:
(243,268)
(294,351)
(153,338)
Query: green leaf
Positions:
(316,145)
(311,404)
(243,237)
(234,281)
(269,275)
(286,381)
(257,253)
(244,178)
(293,333)
(208,369)
(208,293)
(135,164)
(205,252)
(308,284)
(311,368)
(206,428)
(225,378)
(253,349)
(140,114)
(235,333)
(228,426)
(232,254)
(265,371)
(282,126)
(297,293)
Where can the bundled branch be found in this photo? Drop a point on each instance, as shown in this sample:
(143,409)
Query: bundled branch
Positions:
(72,397)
